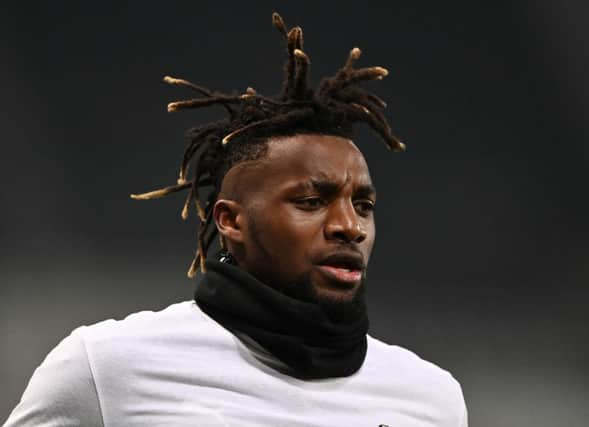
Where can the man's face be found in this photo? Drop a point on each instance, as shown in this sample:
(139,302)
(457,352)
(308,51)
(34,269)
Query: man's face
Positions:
(307,220)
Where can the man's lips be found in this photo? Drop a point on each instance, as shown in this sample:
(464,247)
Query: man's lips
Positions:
(341,274)
(345,267)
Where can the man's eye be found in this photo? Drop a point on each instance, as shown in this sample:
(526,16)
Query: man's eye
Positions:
(364,207)
(310,202)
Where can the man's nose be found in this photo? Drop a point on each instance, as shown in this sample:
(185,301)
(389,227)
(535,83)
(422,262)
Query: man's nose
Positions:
(343,223)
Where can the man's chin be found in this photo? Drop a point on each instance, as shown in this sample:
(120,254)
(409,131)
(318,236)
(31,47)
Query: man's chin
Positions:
(335,295)
(339,303)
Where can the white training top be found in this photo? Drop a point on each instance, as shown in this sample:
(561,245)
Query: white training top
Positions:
(178,367)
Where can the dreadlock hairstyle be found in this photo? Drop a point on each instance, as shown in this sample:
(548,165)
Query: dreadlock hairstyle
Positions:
(214,148)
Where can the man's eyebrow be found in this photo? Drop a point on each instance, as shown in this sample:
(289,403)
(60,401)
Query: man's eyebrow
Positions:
(324,186)
(365,190)
(327,188)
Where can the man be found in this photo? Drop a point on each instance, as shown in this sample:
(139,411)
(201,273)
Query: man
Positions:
(277,334)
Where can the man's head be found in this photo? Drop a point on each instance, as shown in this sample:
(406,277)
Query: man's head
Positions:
(300,217)
(242,162)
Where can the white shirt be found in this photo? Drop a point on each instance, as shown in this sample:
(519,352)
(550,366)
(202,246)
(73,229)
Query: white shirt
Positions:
(178,367)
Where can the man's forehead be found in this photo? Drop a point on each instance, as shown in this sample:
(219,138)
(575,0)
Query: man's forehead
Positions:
(300,160)
(321,156)
(312,159)
(311,142)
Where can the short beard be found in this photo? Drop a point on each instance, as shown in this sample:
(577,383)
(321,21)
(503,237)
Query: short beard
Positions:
(339,310)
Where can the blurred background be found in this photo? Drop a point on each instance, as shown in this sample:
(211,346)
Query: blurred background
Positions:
(481,263)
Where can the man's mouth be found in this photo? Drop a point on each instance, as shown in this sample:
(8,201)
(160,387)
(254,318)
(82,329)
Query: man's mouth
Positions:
(343,268)
(341,274)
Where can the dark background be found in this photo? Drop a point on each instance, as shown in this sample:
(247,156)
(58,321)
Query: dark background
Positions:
(481,262)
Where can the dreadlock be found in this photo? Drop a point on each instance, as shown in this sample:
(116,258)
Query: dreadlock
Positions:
(214,148)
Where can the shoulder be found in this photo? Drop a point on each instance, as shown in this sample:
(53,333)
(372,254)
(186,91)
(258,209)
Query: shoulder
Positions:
(145,335)
(144,322)
(96,363)
(425,381)
(405,360)
(134,322)
(61,391)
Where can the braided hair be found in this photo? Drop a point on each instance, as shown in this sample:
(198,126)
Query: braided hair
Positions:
(252,119)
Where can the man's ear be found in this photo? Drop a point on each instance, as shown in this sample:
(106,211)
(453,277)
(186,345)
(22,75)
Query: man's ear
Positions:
(229,218)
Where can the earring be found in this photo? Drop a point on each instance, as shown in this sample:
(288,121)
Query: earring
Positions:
(226,258)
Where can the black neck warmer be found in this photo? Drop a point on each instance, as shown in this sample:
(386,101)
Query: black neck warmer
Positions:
(298,333)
